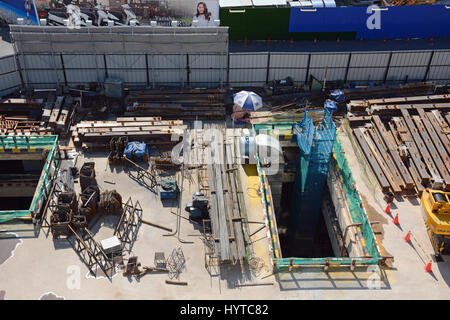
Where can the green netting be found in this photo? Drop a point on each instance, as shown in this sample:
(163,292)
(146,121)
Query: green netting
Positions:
(48,176)
(353,199)
(358,216)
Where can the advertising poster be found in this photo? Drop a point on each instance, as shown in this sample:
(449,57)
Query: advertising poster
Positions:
(10,10)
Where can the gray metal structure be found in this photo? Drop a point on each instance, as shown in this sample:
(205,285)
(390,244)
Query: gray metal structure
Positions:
(149,56)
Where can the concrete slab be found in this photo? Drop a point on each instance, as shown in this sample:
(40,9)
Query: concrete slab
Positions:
(52,269)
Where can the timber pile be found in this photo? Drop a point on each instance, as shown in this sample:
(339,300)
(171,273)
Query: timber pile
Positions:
(186,104)
(91,134)
(58,112)
(407,145)
(226,212)
(22,126)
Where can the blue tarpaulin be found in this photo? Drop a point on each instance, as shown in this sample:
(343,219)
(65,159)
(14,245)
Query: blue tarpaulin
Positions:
(331,106)
(136,149)
(337,95)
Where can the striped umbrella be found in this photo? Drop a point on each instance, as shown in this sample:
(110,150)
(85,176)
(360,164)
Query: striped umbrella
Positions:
(247,100)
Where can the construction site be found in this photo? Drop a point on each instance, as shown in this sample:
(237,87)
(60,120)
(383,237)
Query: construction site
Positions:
(159,164)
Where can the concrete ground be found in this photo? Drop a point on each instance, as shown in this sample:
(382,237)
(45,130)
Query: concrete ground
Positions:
(6,47)
(43,268)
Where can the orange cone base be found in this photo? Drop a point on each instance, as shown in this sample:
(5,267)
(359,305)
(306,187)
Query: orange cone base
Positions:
(388,209)
(428,267)
(407,237)
(396,220)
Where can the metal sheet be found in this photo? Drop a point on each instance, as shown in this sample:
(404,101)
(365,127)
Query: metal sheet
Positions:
(9,83)
(87,61)
(7,64)
(439,73)
(85,76)
(400,73)
(168,76)
(45,77)
(369,59)
(130,76)
(168,61)
(257,60)
(126,61)
(366,74)
(207,76)
(41,61)
(329,60)
(289,60)
(299,75)
(203,61)
(409,59)
(332,74)
(440,58)
(248,75)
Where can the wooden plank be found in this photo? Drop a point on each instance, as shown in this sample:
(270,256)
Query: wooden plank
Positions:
(115,124)
(129,129)
(432,150)
(421,145)
(381,162)
(442,122)
(392,147)
(435,124)
(359,133)
(384,151)
(133,119)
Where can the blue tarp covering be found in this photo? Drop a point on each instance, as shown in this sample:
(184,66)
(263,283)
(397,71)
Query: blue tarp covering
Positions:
(135,148)
(337,95)
(396,22)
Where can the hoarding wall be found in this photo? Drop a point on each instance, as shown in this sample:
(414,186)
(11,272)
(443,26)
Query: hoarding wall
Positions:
(345,23)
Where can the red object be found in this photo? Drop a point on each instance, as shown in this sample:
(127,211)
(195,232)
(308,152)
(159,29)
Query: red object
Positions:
(292,42)
(396,220)
(245,42)
(388,209)
(32,214)
(291,262)
(408,237)
(428,267)
(268,42)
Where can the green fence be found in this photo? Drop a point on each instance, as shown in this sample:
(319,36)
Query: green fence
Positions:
(48,175)
(358,216)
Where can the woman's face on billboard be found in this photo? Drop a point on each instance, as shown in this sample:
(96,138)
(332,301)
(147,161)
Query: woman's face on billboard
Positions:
(201,8)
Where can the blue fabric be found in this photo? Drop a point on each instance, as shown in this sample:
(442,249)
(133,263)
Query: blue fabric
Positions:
(337,95)
(136,148)
(331,106)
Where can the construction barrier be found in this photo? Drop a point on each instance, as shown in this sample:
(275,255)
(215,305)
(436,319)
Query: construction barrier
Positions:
(16,143)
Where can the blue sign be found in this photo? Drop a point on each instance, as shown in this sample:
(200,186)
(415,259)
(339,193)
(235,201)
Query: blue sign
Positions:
(10,10)
(424,21)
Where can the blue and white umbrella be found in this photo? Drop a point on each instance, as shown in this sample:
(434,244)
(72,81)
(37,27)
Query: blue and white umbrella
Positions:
(248,100)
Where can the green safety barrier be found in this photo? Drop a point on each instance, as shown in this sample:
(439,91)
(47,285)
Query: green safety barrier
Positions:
(47,179)
(357,213)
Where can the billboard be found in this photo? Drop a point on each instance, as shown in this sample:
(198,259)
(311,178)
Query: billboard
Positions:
(10,10)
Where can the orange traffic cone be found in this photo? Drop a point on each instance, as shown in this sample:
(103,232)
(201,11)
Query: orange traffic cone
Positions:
(396,220)
(408,237)
(428,267)
(388,209)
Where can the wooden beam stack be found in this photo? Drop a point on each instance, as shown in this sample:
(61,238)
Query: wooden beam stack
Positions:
(407,145)
(143,129)
(184,104)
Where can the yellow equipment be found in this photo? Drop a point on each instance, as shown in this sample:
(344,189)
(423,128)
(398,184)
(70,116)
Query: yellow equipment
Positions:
(436,213)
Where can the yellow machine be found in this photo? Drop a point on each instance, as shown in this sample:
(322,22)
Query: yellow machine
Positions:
(436,213)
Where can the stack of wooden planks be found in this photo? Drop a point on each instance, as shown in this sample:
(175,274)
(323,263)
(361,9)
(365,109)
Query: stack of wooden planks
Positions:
(407,145)
(226,211)
(185,104)
(89,134)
